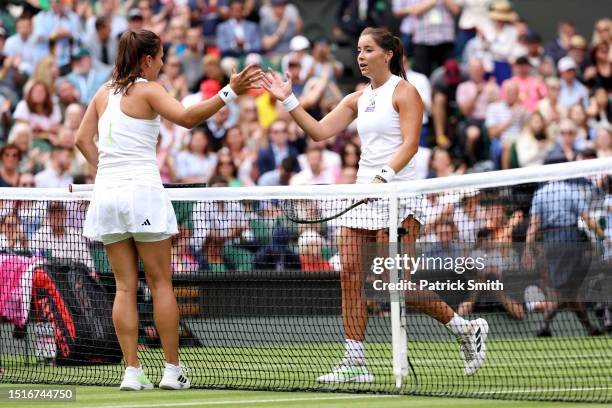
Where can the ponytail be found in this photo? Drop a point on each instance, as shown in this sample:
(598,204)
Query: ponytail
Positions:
(396,65)
(388,42)
(134,45)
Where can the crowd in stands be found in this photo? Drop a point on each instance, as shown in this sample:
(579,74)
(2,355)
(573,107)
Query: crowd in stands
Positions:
(496,96)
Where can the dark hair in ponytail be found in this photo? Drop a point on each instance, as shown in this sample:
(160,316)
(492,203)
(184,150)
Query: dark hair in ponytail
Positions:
(388,42)
(134,45)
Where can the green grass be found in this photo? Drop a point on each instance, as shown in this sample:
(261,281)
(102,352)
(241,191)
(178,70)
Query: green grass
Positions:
(574,369)
(103,397)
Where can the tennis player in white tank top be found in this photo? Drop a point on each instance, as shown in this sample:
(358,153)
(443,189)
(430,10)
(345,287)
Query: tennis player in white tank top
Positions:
(389,114)
(130,212)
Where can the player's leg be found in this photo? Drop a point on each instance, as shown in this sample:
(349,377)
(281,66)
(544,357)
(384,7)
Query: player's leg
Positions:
(354,308)
(123,259)
(471,335)
(156,257)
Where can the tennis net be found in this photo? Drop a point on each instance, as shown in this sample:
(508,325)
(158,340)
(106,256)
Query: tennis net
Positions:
(261,297)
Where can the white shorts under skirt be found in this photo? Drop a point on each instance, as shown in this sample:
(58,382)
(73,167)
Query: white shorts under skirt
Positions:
(129,201)
(375,215)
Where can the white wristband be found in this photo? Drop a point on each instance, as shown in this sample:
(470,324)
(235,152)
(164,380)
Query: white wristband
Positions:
(291,103)
(386,174)
(227,94)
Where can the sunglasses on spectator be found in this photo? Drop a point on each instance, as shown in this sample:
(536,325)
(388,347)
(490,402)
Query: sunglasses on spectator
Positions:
(567,132)
(27,185)
(13,155)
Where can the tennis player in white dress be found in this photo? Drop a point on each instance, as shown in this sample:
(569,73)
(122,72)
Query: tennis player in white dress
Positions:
(130,211)
(389,115)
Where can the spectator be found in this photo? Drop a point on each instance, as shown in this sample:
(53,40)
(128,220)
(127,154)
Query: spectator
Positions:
(352,16)
(291,13)
(474,14)
(172,136)
(473,97)
(183,261)
(192,57)
(555,211)
(444,82)
(195,164)
(281,175)
(603,142)
(299,46)
(10,72)
(248,121)
(564,149)
(423,87)
(12,235)
(67,94)
(21,137)
(165,162)
(237,36)
(602,32)
(550,107)
(57,172)
(578,115)
(38,111)
(102,44)
(136,20)
(211,70)
(220,122)
(532,145)
(60,27)
(320,94)
(401,10)
(469,216)
(74,115)
(599,73)
(241,156)
(501,38)
(270,158)
(85,77)
(539,61)
(278,29)
(176,37)
(600,109)
(558,47)
(310,245)
(531,89)
(348,175)
(23,45)
(578,52)
(442,164)
(324,61)
(109,11)
(9,172)
(54,239)
(434,33)
(350,155)
(316,172)
(504,121)
(173,78)
(226,168)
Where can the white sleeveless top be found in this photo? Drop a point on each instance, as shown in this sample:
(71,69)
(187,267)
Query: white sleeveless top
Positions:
(379,130)
(128,195)
(122,138)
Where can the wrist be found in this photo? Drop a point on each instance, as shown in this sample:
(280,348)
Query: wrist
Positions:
(291,102)
(227,94)
(385,174)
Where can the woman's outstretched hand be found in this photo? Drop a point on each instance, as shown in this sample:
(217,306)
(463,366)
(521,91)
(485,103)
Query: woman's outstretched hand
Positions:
(273,82)
(249,78)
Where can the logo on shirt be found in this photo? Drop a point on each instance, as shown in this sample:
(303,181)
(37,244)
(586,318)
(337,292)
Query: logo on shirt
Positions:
(371,106)
(146,222)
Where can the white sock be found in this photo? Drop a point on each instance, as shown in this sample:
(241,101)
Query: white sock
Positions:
(174,368)
(457,325)
(355,349)
(134,370)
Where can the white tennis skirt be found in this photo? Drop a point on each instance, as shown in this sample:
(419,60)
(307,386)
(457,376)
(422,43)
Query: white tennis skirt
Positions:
(126,199)
(375,215)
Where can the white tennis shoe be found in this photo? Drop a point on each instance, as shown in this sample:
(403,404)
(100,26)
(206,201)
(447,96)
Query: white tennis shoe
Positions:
(175,378)
(134,379)
(348,370)
(473,347)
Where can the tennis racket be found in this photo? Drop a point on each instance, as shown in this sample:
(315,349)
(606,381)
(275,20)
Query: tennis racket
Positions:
(307,211)
(75,188)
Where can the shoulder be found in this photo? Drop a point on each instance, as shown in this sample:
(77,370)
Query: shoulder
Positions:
(405,92)
(352,99)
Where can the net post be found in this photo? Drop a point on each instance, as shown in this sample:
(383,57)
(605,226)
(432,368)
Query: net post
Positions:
(400,361)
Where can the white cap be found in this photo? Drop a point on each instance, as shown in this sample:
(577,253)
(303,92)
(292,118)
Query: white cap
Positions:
(565,64)
(299,43)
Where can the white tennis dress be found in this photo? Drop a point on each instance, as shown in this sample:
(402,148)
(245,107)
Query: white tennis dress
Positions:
(128,195)
(378,126)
